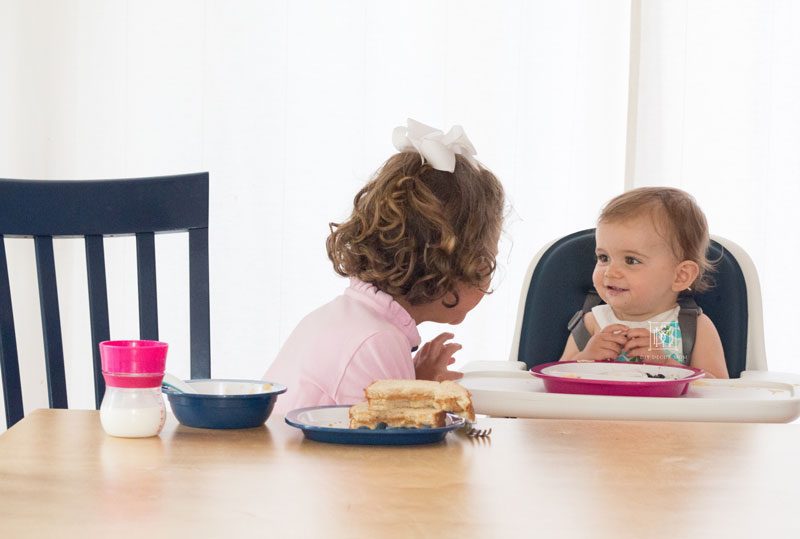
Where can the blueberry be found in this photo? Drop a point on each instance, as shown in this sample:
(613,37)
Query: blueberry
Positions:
(381,426)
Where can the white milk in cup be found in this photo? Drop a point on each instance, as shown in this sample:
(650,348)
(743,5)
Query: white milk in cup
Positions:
(133,406)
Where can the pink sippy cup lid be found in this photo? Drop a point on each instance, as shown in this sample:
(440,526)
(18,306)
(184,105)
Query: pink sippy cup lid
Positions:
(133,363)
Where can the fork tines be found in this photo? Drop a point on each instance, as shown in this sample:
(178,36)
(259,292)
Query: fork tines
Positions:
(479,433)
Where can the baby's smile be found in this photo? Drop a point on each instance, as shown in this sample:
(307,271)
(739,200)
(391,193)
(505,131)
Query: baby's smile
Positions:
(615,289)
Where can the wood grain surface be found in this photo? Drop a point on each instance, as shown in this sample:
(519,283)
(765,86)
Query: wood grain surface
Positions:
(62,476)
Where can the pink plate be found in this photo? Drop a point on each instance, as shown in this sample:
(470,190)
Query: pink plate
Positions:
(613,378)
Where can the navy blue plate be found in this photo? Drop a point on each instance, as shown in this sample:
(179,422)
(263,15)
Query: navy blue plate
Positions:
(331,424)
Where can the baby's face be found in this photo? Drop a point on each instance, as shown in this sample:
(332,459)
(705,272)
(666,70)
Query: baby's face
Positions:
(636,269)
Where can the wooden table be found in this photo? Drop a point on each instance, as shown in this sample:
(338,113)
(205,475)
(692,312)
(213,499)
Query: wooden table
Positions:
(62,476)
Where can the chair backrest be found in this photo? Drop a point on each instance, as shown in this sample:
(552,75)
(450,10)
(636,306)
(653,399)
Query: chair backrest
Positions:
(94,209)
(560,275)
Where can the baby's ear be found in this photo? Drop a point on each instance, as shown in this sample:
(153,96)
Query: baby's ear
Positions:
(685,274)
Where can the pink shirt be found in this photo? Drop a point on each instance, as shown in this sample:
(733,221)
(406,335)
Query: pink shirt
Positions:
(336,351)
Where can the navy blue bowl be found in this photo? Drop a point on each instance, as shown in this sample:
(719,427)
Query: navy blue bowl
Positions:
(224,404)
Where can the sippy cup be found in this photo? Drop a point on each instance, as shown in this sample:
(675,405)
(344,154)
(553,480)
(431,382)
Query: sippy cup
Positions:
(132,405)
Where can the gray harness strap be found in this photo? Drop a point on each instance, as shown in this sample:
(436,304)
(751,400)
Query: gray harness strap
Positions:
(687,319)
(576,326)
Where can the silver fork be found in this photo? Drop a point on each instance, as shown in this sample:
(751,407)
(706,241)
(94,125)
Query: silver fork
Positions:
(478,433)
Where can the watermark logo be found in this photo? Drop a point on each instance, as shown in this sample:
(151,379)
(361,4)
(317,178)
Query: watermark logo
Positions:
(663,336)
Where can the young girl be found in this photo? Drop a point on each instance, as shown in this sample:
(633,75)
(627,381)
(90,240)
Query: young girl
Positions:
(650,245)
(419,246)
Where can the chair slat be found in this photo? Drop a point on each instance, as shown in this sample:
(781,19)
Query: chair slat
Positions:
(51,322)
(98,308)
(108,207)
(9,363)
(148,301)
(199,316)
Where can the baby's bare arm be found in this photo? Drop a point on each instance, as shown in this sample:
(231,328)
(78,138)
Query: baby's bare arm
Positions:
(569,350)
(708,353)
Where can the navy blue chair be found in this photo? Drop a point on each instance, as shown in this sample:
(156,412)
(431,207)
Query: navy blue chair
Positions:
(94,209)
(560,276)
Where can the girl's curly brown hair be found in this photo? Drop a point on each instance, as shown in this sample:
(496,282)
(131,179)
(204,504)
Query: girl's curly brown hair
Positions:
(416,232)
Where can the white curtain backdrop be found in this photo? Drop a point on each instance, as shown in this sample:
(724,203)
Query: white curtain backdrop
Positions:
(719,116)
(290,104)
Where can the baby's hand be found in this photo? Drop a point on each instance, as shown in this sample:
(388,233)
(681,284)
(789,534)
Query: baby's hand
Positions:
(605,344)
(432,359)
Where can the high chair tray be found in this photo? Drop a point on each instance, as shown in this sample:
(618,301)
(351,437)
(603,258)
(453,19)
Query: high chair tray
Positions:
(519,394)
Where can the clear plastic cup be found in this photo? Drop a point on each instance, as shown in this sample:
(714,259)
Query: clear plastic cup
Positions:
(133,406)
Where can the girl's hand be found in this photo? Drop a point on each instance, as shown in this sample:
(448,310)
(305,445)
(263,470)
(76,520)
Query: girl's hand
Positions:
(605,344)
(432,359)
(640,345)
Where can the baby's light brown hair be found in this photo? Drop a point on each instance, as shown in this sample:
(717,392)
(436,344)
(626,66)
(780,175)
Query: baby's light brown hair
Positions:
(416,232)
(676,216)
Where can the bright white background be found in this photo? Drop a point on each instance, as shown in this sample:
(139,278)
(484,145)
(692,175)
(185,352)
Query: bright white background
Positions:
(290,105)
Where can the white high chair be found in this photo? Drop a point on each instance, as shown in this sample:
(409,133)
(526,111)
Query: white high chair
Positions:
(560,275)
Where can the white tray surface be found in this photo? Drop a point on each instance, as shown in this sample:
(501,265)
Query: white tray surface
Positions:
(519,394)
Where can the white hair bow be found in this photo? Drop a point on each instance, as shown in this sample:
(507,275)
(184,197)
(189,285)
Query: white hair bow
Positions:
(435,147)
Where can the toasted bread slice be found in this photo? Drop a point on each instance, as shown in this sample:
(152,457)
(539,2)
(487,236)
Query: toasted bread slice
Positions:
(385,394)
(362,416)
(454,398)
(447,396)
